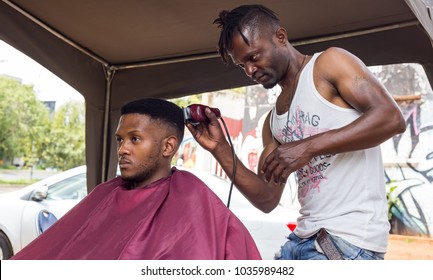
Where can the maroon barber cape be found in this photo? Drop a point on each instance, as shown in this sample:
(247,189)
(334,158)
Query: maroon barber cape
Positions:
(177,217)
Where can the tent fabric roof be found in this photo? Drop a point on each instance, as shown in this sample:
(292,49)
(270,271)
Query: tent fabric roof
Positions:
(115,51)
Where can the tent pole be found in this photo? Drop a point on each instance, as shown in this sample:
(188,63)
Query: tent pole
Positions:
(109,74)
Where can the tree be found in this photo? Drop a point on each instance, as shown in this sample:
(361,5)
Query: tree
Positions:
(64,148)
(187,100)
(28,131)
(23,120)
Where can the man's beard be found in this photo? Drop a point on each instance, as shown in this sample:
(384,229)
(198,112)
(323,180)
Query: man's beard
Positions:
(270,83)
(140,176)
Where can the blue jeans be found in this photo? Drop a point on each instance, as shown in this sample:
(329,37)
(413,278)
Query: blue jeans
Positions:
(305,249)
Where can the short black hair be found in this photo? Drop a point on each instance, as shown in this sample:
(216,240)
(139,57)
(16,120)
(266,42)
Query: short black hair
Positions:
(235,20)
(158,109)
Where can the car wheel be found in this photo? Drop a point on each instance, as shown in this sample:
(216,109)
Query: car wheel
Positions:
(5,247)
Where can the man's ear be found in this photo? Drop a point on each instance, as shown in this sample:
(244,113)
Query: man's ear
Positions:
(281,35)
(170,145)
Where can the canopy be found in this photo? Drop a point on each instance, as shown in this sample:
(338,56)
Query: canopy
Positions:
(114,51)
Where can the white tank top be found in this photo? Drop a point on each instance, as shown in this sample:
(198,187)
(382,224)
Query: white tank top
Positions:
(344,193)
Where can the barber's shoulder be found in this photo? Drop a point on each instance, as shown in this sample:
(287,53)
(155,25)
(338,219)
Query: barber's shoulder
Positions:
(335,62)
(334,54)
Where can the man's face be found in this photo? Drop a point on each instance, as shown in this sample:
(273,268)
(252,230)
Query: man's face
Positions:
(139,148)
(262,59)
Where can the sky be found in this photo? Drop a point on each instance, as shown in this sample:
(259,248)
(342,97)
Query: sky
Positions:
(48,87)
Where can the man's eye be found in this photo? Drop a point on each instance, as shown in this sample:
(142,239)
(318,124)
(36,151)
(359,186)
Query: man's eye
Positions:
(135,139)
(255,57)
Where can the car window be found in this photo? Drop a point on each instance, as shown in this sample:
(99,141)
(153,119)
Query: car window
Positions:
(70,188)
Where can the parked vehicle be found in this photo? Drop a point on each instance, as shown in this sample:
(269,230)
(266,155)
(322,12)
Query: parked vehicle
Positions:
(27,212)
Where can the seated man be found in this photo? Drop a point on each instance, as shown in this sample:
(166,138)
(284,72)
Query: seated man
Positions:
(153,210)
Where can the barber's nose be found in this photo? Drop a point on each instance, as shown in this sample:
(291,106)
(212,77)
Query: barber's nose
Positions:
(250,69)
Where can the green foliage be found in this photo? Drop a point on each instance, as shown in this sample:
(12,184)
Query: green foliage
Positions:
(28,131)
(392,200)
(21,182)
(187,100)
(64,147)
(241,90)
(23,120)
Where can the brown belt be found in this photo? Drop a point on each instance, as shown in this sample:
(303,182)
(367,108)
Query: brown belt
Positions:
(328,246)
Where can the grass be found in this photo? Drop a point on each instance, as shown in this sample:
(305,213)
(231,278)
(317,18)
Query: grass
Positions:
(18,182)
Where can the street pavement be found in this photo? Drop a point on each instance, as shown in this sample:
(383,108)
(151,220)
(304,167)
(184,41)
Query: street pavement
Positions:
(21,174)
(25,174)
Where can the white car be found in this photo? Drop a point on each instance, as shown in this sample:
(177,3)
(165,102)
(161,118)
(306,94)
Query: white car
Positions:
(26,212)
(51,198)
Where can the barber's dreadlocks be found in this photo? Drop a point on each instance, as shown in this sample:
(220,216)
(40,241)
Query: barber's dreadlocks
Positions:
(233,21)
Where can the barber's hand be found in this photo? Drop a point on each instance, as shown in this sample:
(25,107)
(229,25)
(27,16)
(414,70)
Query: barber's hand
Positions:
(208,134)
(284,160)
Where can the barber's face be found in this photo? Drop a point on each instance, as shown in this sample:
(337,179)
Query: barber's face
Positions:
(139,148)
(261,59)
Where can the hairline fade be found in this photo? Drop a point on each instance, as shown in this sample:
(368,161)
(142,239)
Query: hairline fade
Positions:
(158,110)
(236,20)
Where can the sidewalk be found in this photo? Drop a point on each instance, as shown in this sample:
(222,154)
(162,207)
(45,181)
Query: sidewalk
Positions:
(25,174)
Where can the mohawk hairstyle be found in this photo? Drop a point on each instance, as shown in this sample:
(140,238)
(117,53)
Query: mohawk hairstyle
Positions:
(235,20)
(158,109)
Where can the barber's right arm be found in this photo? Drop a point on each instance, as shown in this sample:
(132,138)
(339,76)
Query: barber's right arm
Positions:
(262,194)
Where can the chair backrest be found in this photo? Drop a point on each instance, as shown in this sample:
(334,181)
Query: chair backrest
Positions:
(45,220)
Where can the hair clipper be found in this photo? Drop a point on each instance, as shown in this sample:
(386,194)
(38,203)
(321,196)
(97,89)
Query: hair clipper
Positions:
(195,113)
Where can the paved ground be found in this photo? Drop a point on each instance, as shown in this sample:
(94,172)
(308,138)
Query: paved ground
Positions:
(7,188)
(24,174)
